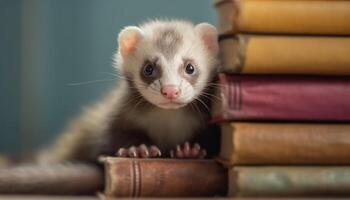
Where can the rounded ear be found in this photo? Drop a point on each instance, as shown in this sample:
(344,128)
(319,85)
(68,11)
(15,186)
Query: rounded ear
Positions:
(209,36)
(128,40)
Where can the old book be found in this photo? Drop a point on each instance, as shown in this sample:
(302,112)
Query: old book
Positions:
(285,144)
(288,181)
(127,177)
(271,54)
(287,16)
(282,98)
(51,179)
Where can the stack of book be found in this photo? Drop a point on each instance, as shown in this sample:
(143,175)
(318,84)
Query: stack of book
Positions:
(285,96)
(284,109)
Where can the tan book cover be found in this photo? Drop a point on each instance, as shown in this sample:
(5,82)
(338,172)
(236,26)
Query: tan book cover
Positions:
(128,177)
(268,54)
(287,16)
(285,144)
(289,181)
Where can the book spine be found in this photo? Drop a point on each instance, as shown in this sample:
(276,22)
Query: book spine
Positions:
(288,16)
(226,14)
(285,143)
(286,55)
(164,178)
(289,181)
(283,98)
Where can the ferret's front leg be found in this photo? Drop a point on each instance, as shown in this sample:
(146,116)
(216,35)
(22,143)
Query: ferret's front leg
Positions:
(141,151)
(188,151)
(135,144)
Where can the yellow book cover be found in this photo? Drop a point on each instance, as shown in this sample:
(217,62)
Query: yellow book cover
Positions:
(288,16)
(271,54)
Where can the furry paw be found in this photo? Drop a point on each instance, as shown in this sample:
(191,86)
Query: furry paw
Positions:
(188,151)
(141,151)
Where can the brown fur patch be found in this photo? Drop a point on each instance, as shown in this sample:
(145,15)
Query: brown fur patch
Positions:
(157,68)
(191,78)
(124,131)
(168,41)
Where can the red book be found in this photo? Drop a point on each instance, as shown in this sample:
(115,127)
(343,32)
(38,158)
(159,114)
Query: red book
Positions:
(133,177)
(283,98)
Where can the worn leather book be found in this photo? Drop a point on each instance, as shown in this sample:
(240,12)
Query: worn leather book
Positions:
(289,181)
(127,177)
(51,179)
(272,54)
(282,98)
(285,144)
(287,16)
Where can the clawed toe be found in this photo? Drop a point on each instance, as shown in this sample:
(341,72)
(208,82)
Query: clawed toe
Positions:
(188,151)
(141,151)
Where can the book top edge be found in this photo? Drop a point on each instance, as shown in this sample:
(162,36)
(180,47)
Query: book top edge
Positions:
(112,159)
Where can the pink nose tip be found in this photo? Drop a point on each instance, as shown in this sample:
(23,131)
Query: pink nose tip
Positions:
(170,91)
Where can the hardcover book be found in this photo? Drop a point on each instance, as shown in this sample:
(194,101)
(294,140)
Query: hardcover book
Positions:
(51,179)
(128,177)
(272,54)
(287,16)
(285,144)
(316,181)
(282,98)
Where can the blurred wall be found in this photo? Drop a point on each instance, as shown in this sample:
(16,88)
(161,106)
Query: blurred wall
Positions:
(9,75)
(46,45)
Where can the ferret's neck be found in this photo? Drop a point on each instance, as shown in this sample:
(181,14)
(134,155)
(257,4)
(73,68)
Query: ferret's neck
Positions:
(165,127)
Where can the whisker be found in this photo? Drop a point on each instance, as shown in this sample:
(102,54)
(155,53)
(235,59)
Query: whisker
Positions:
(137,104)
(208,97)
(139,100)
(112,74)
(205,105)
(90,82)
(117,75)
(199,112)
(211,84)
(211,95)
(153,90)
(135,98)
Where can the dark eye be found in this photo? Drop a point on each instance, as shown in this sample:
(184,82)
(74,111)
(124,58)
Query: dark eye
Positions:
(189,68)
(148,70)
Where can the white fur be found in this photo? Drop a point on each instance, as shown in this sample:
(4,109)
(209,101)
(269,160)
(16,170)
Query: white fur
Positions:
(193,47)
(170,127)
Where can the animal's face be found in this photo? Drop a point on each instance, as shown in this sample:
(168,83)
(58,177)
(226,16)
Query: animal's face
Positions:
(171,62)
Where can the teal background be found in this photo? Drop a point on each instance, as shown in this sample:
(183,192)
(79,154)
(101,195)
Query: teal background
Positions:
(47,44)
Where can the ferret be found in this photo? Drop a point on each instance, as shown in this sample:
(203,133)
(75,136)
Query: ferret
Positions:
(159,108)
(161,102)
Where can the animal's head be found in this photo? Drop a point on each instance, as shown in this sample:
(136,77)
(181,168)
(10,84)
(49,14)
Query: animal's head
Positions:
(169,62)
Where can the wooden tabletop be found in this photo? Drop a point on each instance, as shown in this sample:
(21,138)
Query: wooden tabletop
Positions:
(25,197)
